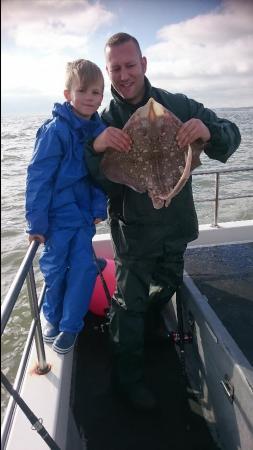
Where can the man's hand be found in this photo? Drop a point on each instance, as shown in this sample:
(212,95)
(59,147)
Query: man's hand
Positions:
(192,130)
(114,138)
(36,237)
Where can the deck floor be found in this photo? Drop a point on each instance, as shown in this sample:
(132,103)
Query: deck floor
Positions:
(109,424)
(224,274)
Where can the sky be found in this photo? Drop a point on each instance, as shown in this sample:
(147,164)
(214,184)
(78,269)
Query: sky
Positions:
(201,48)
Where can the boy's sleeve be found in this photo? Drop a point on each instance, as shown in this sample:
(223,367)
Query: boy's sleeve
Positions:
(40,179)
(98,197)
(101,126)
(93,160)
(99,203)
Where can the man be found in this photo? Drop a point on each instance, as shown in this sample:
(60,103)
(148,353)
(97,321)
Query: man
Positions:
(149,243)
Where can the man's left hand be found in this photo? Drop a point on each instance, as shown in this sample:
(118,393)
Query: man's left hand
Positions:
(192,130)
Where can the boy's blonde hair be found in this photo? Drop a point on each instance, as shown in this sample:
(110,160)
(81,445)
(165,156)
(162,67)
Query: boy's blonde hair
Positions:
(83,70)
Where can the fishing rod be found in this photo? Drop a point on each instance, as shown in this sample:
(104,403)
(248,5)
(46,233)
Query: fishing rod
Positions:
(34,420)
(181,337)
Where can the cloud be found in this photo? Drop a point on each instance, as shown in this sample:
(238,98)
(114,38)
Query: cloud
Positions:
(43,75)
(51,25)
(40,36)
(208,57)
(210,52)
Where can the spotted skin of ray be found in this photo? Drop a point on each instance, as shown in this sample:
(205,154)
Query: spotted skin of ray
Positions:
(155,163)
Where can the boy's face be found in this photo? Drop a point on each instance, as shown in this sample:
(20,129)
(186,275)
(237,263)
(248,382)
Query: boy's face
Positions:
(85,101)
(126,69)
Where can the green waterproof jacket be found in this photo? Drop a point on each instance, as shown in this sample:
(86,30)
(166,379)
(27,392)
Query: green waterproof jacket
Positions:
(131,207)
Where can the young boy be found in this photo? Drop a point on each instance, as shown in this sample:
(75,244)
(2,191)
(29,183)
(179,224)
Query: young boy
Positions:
(63,205)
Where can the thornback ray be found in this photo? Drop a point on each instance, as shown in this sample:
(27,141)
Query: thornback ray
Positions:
(155,164)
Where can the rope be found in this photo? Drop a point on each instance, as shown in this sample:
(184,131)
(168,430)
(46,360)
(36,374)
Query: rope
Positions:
(36,423)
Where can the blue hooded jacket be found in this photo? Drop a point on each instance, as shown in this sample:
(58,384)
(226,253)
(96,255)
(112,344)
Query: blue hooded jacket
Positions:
(59,191)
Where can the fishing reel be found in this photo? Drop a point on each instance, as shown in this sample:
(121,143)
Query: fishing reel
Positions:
(178,337)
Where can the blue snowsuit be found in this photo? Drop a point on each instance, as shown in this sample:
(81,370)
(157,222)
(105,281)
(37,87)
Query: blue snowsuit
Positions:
(61,204)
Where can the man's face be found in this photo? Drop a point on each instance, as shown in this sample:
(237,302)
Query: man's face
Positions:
(126,69)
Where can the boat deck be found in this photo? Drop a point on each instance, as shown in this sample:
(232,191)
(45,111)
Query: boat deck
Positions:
(224,274)
(108,424)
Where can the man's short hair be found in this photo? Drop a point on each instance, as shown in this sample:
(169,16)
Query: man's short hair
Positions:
(121,38)
(83,70)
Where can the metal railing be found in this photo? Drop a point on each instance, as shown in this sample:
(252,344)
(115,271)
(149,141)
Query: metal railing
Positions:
(25,273)
(217,198)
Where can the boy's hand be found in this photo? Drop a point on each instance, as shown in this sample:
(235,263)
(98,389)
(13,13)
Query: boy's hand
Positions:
(36,237)
(192,130)
(114,138)
(98,220)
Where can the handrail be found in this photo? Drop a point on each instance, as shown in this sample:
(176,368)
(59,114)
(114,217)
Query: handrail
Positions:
(17,284)
(217,197)
(222,170)
(24,273)
(20,373)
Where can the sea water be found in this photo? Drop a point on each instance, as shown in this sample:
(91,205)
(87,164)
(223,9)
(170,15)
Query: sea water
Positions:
(18,135)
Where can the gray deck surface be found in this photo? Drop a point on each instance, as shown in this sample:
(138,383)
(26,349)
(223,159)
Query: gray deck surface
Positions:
(109,424)
(224,274)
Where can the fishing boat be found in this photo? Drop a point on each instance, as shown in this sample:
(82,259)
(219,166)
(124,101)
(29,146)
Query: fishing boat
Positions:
(202,374)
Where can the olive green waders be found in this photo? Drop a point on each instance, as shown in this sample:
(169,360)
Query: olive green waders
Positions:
(149,267)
